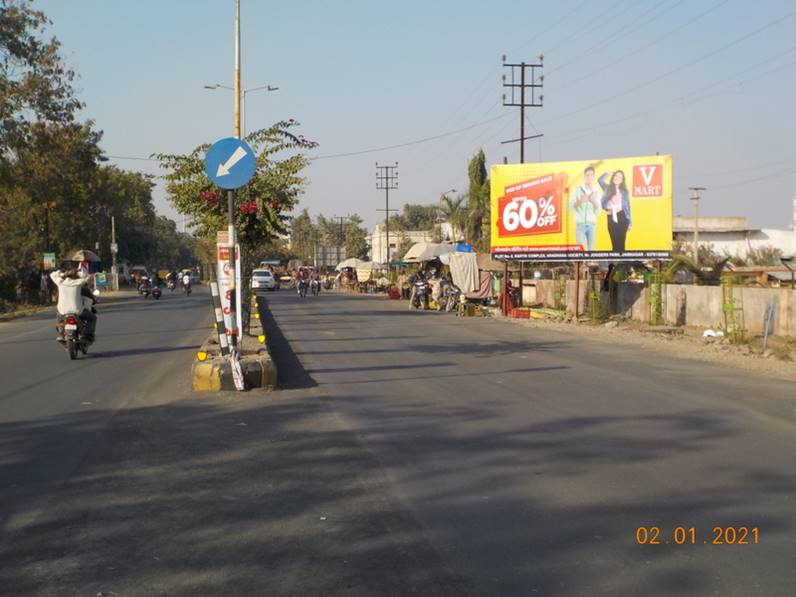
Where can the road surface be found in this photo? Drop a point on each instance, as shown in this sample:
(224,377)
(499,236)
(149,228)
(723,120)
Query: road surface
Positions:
(409,453)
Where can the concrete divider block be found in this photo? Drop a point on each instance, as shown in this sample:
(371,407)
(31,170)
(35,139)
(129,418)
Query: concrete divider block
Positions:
(215,374)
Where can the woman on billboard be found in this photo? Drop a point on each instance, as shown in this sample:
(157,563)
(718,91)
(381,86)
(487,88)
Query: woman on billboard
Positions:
(616,202)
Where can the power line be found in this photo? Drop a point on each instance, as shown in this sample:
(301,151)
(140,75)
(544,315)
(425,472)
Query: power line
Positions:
(408,143)
(646,46)
(678,68)
(588,52)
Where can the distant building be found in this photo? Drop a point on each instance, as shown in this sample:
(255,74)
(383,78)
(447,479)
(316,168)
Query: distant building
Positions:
(377,241)
(733,236)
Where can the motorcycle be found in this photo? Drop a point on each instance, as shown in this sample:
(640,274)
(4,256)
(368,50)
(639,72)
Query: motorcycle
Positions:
(302,288)
(187,288)
(315,286)
(145,288)
(422,291)
(156,292)
(74,333)
(171,285)
(450,298)
(327,284)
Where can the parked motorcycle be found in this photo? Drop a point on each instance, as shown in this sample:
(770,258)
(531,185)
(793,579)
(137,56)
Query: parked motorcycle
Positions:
(450,298)
(327,284)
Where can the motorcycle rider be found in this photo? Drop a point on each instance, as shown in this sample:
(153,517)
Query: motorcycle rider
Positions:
(74,297)
(419,276)
(186,280)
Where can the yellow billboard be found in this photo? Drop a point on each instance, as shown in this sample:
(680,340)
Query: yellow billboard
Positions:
(617,209)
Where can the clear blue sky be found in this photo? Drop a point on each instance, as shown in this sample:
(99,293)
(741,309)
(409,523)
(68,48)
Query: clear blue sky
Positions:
(709,81)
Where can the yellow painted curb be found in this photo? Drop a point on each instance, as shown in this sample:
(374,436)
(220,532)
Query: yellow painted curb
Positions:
(206,376)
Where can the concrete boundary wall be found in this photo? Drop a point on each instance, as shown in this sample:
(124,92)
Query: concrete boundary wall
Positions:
(684,304)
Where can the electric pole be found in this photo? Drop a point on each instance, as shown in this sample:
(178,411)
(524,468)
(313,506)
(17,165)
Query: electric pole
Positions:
(341,220)
(387,178)
(519,82)
(695,199)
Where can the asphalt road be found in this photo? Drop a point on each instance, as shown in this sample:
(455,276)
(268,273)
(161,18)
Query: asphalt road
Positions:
(409,453)
(530,458)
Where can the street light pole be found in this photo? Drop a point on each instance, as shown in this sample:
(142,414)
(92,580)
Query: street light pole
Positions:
(232,327)
(695,199)
(243,93)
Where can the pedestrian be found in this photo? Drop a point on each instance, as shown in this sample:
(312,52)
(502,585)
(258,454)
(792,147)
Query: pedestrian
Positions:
(44,288)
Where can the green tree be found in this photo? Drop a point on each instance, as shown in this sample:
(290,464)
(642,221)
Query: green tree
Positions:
(303,236)
(454,211)
(262,205)
(35,86)
(478,202)
(356,244)
(415,217)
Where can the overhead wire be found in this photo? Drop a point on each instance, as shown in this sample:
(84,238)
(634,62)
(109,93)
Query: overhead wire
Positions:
(679,68)
(644,46)
(591,50)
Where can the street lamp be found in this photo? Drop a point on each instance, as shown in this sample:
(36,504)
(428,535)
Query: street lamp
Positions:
(243,100)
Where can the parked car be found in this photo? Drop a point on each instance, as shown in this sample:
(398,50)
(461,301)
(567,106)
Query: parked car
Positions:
(263,279)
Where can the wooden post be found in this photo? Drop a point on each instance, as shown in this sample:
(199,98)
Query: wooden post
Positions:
(504,307)
(522,264)
(577,289)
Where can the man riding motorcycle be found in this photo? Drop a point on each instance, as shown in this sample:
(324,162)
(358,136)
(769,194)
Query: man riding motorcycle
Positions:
(74,297)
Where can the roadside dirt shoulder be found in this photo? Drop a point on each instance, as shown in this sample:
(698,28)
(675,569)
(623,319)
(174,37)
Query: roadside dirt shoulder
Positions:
(776,362)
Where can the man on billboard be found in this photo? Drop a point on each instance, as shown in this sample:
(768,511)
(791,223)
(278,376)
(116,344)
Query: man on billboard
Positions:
(584,203)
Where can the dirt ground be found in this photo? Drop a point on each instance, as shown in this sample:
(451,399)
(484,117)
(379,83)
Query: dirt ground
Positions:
(778,361)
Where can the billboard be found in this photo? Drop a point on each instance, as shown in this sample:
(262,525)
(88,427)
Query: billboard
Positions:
(617,209)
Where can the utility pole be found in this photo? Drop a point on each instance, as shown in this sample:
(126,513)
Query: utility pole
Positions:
(341,220)
(518,84)
(234,291)
(387,178)
(695,199)
(114,250)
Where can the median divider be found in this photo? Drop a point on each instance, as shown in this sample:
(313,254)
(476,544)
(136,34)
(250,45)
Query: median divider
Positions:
(212,373)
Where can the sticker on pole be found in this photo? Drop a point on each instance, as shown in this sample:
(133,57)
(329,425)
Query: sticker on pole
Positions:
(230,163)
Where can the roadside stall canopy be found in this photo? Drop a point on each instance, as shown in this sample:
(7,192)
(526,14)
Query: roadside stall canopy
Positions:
(350,262)
(366,269)
(427,251)
(85,255)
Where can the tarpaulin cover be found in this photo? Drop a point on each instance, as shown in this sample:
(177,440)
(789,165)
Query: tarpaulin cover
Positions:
(485,290)
(464,270)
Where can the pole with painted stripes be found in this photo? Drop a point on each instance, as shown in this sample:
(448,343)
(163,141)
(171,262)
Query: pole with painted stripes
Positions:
(223,342)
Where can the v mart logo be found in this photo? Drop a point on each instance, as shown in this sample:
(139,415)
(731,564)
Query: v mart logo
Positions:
(648,181)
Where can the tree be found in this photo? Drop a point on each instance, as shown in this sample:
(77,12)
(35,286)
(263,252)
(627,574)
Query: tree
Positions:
(478,202)
(415,217)
(35,85)
(303,236)
(356,244)
(455,212)
(263,204)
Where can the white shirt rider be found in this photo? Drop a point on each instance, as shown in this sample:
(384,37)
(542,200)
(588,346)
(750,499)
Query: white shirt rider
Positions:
(70,298)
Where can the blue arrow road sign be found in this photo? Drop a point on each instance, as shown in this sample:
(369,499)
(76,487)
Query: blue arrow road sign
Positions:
(230,163)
